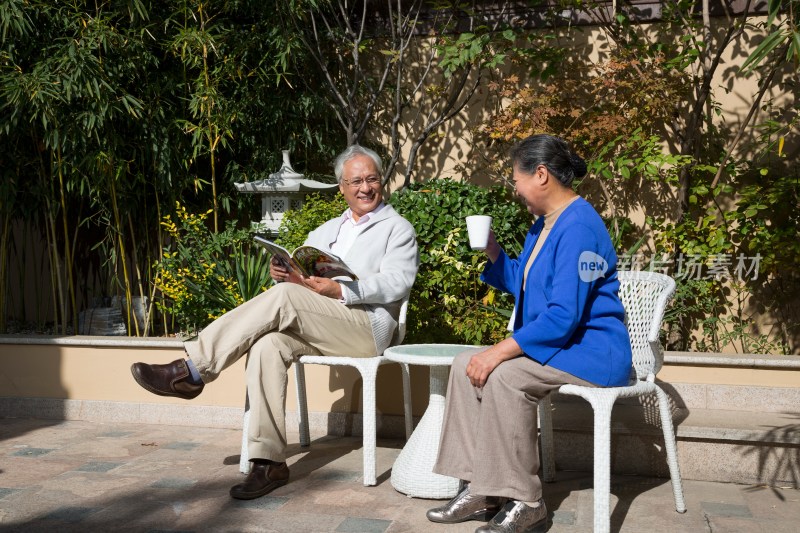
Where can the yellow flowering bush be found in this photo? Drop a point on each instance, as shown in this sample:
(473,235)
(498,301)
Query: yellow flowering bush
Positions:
(202,274)
(467,304)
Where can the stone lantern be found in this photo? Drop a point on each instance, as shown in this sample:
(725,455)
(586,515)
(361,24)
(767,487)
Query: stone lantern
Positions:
(281,191)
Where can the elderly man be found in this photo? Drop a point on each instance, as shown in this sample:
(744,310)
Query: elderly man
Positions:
(311,315)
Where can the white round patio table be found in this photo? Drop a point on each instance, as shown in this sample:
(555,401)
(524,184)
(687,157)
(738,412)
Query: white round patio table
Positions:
(412,473)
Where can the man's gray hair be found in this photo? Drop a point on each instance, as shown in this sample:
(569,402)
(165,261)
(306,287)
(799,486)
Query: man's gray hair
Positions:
(355,150)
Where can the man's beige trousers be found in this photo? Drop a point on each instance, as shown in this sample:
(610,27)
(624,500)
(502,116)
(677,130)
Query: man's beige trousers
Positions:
(490,436)
(275,328)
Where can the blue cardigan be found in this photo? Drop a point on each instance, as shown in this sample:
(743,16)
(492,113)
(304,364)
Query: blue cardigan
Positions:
(570,316)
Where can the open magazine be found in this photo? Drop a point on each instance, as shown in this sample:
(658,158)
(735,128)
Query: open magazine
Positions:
(307,260)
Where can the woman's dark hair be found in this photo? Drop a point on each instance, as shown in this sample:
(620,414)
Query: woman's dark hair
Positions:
(552,152)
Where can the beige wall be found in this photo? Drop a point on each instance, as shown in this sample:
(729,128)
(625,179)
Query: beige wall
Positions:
(83,372)
(715,375)
(103,373)
(452,151)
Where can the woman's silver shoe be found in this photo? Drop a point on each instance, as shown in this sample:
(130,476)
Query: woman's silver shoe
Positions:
(517,517)
(466,506)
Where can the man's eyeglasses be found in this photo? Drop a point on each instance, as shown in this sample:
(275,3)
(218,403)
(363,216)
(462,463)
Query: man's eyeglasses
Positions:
(358,182)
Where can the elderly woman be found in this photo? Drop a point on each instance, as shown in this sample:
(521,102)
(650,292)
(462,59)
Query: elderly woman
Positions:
(568,328)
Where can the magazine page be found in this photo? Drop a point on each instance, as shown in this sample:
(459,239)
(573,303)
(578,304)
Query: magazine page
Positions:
(320,263)
(281,254)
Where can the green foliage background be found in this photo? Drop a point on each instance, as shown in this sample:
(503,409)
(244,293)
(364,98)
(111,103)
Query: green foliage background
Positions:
(449,303)
(648,117)
(112,113)
(317,209)
(203,274)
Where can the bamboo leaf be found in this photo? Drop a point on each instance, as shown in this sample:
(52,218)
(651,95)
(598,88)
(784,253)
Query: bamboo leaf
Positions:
(770,43)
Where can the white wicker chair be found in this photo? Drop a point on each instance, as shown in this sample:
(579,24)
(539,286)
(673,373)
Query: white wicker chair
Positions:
(368,367)
(644,296)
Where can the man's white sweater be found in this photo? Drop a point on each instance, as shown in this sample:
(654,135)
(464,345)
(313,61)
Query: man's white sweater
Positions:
(385,258)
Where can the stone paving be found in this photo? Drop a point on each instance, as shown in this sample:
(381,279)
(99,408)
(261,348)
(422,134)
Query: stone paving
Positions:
(83,476)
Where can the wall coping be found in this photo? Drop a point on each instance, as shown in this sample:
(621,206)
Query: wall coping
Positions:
(93,340)
(788,362)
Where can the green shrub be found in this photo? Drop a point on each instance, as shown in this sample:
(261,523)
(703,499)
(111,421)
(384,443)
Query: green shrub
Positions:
(317,210)
(203,274)
(449,303)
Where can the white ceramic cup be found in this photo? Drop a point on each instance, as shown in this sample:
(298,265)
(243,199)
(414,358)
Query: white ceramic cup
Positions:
(478,227)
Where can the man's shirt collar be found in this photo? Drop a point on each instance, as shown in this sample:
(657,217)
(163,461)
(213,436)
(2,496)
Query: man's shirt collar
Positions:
(348,215)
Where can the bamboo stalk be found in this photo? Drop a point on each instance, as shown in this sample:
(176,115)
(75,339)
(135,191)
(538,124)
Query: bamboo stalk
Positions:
(138,279)
(59,302)
(122,259)
(68,259)
(40,310)
(55,270)
(160,248)
(4,270)
(148,315)
(20,254)
(212,138)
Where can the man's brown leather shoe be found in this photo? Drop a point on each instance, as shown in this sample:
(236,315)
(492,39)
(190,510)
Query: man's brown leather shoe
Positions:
(262,479)
(166,380)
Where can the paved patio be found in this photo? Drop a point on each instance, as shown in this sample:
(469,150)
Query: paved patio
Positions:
(84,476)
